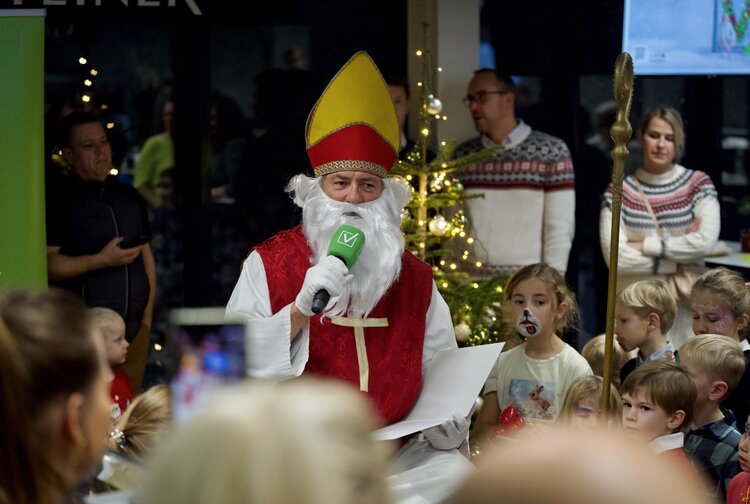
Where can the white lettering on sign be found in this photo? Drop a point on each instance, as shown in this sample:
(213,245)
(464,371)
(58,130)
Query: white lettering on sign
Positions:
(192,5)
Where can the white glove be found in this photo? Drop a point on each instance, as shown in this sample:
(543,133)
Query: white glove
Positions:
(329,274)
(450,434)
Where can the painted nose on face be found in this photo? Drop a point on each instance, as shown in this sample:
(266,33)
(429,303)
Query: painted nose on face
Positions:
(526,312)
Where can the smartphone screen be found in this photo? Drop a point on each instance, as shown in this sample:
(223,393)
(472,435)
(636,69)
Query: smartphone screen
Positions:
(206,351)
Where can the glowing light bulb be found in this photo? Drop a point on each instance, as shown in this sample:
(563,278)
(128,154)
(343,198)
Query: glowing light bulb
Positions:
(87,82)
(82,60)
(419,52)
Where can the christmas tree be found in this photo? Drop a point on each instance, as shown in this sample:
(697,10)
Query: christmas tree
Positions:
(436,229)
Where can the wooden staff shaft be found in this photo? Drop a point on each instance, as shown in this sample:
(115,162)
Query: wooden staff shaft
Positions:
(621,132)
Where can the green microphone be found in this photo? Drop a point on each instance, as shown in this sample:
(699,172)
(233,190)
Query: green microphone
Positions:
(346,244)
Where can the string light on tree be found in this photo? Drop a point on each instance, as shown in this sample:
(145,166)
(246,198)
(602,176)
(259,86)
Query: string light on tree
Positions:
(435,217)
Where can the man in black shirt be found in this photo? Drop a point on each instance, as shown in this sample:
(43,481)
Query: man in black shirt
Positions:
(88,216)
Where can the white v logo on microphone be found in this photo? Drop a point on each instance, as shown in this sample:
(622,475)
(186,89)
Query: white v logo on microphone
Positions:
(348,239)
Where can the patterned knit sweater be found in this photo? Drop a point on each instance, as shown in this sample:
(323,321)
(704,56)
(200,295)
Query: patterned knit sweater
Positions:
(677,198)
(527,212)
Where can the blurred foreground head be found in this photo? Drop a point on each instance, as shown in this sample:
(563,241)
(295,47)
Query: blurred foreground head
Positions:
(572,467)
(304,441)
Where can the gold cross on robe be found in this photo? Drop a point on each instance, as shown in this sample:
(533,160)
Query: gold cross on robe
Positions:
(359,325)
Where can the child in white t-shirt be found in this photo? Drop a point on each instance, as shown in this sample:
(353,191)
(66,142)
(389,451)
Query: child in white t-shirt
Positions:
(534,376)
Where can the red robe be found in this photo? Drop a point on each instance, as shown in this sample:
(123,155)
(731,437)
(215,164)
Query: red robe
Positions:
(394,353)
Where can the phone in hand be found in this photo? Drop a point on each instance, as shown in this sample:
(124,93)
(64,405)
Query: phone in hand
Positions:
(205,350)
(134,241)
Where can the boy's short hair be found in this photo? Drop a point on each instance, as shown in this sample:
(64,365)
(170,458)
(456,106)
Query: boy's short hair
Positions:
(667,385)
(650,296)
(103,319)
(720,356)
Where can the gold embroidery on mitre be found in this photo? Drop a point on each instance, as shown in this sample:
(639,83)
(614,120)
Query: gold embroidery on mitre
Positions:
(350,165)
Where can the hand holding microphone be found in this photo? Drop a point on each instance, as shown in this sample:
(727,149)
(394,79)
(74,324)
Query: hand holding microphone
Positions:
(327,278)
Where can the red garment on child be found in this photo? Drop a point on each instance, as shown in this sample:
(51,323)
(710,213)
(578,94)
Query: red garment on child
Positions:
(121,393)
(739,489)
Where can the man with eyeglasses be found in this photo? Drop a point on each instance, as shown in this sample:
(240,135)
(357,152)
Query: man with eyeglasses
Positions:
(527,214)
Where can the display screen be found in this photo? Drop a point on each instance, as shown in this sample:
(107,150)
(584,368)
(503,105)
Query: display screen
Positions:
(687,37)
(206,352)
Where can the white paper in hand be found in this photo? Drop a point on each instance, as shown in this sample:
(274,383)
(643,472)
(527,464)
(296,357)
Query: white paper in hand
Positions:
(453,381)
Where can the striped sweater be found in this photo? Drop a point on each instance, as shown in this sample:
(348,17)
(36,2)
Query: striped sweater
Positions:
(677,198)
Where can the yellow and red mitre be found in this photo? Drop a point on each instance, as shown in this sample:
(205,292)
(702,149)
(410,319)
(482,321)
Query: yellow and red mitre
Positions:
(353,125)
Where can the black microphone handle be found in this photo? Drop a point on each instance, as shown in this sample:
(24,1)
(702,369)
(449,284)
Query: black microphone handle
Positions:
(320,300)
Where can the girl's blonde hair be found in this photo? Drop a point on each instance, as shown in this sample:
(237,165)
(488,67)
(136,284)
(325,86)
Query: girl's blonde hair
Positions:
(593,351)
(589,388)
(557,286)
(650,296)
(259,436)
(732,287)
(146,421)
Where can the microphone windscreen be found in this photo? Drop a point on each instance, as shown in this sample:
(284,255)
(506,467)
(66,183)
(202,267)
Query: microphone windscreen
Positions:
(346,244)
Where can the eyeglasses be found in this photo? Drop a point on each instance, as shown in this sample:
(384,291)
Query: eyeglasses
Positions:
(480,97)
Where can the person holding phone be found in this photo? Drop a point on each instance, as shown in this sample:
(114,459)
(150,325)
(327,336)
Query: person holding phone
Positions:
(91,217)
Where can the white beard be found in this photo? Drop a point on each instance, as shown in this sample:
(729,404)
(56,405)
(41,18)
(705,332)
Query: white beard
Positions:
(379,263)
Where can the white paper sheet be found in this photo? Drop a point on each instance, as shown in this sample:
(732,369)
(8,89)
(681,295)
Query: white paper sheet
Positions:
(452,383)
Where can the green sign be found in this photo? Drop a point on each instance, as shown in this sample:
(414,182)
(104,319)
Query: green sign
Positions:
(23,259)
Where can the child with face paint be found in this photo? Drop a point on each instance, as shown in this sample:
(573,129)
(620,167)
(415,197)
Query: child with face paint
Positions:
(720,300)
(644,313)
(534,376)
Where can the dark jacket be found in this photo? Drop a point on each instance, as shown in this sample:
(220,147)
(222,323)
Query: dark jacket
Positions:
(82,217)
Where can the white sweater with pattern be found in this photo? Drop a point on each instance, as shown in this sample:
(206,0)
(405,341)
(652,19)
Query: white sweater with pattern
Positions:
(527,212)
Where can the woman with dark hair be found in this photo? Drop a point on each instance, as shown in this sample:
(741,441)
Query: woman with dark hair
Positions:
(54,396)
